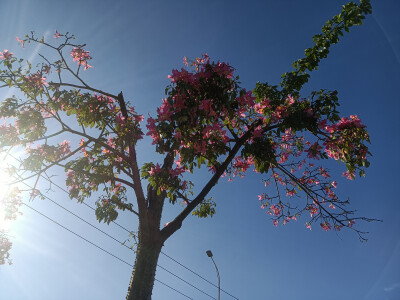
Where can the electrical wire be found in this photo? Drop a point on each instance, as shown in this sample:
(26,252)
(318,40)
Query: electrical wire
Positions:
(124,228)
(127,230)
(97,246)
(197,274)
(121,243)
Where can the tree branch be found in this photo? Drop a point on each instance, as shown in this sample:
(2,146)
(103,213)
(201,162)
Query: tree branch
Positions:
(52,164)
(132,160)
(55,84)
(173,226)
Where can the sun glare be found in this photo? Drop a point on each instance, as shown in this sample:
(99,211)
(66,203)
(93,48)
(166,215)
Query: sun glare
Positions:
(4,186)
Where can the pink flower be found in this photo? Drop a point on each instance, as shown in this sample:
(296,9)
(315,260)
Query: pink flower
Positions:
(275,222)
(288,135)
(152,130)
(65,147)
(86,66)
(70,174)
(78,54)
(177,171)
(81,56)
(165,110)
(289,100)
(182,75)
(5,54)
(57,35)
(179,103)
(20,41)
(212,169)
(275,210)
(308,225)
(322,124)
(139,118)
(323,172)
(349,175)
(290,193)
(223,69)
(36,79)
(120,119)
(247,99)
(313,210)
(155,170)
(325,226)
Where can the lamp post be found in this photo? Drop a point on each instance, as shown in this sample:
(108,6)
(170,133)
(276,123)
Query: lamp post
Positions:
(210,255)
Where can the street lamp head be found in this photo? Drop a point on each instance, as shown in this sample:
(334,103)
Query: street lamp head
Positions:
(209,253)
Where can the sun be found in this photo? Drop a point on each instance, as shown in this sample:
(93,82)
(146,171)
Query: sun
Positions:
(4,188)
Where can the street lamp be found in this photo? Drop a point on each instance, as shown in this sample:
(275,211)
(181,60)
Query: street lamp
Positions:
(210,255)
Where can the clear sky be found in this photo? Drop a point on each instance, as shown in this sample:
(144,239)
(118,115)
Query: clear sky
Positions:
(135,45)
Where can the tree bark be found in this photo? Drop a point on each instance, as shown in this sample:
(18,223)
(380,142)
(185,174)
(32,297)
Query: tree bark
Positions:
(148,249)
(143,275)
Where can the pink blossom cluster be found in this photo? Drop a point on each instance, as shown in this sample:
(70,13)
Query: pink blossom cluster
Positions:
(109,105)
(50,152)
(5,247)
(310,179)
(6,54)
(9,134)
(197,125)
(325,226)
(36,80)
(275,210)
(240,165)
(74,184)
(155,170)
(344,139)
(12,203)
(81,56)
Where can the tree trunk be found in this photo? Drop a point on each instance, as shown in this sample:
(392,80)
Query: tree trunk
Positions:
(143,275)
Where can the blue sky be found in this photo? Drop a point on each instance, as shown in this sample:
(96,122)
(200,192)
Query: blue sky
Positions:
(134,45)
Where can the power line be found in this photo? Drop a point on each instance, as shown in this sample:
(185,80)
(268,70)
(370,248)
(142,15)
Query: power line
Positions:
(102,249)
(121,243)
(122,227)
(127,230)
(186,282)
(197,274)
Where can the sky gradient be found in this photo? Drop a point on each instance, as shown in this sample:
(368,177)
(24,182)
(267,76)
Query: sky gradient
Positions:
(135,45)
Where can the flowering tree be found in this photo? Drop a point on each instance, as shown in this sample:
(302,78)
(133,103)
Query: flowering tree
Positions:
(5,247)
(206,120)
